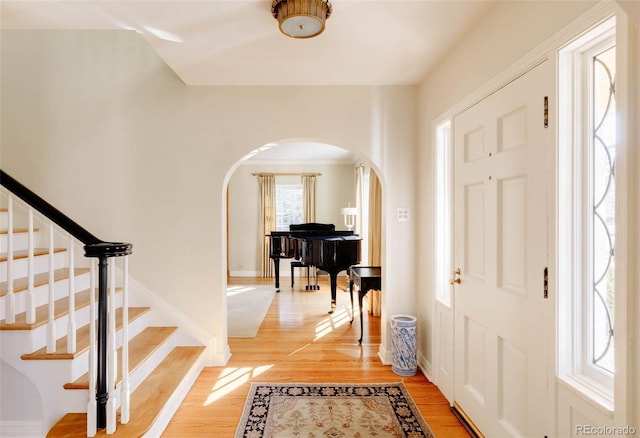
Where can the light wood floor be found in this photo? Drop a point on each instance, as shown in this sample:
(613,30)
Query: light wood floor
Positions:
(300,342)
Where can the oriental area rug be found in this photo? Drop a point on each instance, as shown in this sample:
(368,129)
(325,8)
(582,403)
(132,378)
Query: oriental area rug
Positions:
(287,410)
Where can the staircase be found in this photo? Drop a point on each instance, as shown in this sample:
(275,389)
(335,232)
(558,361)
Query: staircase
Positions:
(47,394)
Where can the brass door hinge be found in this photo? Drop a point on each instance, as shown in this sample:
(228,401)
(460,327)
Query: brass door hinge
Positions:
(546,111)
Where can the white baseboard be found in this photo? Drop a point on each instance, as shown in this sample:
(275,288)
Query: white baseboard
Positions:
(384,355)
(425,366)
(246,274)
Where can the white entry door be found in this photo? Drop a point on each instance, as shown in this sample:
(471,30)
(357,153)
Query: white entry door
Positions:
(501,148)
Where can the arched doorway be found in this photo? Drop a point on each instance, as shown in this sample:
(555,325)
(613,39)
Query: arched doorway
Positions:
(343,181)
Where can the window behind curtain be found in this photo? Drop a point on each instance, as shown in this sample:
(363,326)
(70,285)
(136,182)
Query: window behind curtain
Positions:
(288,205)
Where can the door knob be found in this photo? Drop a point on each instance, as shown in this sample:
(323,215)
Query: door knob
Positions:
(456,279)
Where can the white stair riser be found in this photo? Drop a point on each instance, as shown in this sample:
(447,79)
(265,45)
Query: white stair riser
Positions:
(40,264)
(20,241)
(41,293)
(40,240)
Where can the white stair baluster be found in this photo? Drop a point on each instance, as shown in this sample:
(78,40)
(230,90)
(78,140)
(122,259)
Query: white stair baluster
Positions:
(10,309)
(71,328)
(92,406)
(51,326)
(112,363)
(31,301)
(124,390)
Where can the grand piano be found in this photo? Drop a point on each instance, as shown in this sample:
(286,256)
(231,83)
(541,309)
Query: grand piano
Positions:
(318,245)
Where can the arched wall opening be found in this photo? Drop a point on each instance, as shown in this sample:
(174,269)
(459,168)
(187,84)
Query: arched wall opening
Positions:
(336,189)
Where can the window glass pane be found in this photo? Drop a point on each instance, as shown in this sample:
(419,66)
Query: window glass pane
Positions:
(603,209)
(288,205)
(443,216)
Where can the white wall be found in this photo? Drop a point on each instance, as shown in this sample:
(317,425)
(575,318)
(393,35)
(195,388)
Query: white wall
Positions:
(98,125)
(334,190)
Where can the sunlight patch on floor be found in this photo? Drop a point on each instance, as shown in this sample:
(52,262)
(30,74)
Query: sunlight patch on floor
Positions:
(338,318)
(232,378)
(299,350)
(235,290)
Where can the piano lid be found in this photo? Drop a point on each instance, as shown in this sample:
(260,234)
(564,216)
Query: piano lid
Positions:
(332,237)
(312,226)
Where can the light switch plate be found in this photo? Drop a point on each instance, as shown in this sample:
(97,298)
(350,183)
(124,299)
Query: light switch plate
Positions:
(402,214)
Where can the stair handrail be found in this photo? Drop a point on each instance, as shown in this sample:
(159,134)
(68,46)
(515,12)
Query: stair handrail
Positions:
(96,248)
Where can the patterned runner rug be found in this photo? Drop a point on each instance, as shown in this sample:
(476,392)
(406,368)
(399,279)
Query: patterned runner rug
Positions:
(287,410)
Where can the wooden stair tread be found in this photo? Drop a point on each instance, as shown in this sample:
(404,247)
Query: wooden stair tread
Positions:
(60,309)
(140,347)
(82,339)
(146,401)
(21,284)
(23,254)
(19,231)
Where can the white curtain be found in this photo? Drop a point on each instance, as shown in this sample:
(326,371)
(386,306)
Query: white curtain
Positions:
(309,198)
(267,187)
(359,175)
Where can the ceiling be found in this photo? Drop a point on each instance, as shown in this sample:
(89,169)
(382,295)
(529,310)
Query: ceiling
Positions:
(237,42)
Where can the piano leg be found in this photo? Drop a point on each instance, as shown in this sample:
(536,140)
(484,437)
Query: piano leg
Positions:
(316,286)
(334,287)
(276,265)
(351,297)
(360,297)
(310,286)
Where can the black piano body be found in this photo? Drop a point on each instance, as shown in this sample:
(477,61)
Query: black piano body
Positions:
(282,244)
(330,253)
(318,245)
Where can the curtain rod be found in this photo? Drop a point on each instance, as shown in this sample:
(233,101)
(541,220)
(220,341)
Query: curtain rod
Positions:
(286,174)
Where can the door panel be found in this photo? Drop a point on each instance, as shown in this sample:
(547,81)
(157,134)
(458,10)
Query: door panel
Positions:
(500,242)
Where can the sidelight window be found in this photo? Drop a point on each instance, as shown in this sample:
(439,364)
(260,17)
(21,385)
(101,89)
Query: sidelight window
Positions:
(443,212)
(587,208)
(602,209)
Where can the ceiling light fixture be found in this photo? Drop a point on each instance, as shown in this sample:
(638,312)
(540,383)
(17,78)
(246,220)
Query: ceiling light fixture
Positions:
(301,18)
